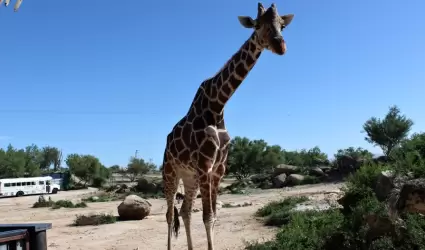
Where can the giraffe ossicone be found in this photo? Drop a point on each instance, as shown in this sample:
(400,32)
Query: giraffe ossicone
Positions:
(197,146)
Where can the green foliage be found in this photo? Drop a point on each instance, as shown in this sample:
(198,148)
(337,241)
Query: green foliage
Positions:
(304,231)
(355,153)
(57,204)
(409,157)
(278,213)
(247,157)
(30,161)
(43,202)
(87,168)
(68,204)
(114,168)
(100,198)
(389,132)
(94,219)
(138,167)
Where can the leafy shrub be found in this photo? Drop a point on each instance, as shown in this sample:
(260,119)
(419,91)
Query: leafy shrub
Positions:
(304,231)
(278,212)
(57,204)
(100,198)
(349,228)
(98,181)
(94,219)
(42,202)
(68,204)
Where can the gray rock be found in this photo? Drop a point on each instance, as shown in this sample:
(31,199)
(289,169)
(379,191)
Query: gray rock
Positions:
(134,208)
(286,169)
(279,181)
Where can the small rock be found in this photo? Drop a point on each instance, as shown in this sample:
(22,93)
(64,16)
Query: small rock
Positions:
(219,204)
(247,203)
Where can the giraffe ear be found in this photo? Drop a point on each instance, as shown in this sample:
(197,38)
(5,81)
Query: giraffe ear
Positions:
(247,21)
(287,19)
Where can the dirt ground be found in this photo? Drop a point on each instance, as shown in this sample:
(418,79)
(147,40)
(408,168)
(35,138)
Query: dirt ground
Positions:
(234,227)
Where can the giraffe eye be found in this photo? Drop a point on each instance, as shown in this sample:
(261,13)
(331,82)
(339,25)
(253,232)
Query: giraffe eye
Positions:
(283,26)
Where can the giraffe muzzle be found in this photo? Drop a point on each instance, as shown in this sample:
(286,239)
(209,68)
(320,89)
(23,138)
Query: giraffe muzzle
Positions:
(278,45)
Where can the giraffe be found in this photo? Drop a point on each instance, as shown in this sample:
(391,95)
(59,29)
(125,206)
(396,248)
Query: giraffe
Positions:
(197,146)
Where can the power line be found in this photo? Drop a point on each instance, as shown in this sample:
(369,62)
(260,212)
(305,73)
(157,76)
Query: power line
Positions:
(69,112)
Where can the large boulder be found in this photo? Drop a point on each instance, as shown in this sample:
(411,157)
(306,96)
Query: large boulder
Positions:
(384,185)
(286,169)
(279,181)
(317,171)
(412,196)
(295,179)
(347,164)
(134,208)
(148,186)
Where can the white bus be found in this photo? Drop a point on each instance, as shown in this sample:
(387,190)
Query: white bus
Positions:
(26,186)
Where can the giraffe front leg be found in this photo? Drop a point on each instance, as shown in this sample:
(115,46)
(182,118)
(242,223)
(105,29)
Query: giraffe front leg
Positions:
(171,182)
(205,184)
(190,182)
(216,179)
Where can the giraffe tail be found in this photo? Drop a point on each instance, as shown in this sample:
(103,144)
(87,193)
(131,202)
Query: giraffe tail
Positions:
(176,222)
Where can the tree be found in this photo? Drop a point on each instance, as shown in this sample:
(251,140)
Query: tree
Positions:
(136,168)
(355,153)
(272,156)
(85,167)
(52,156)
(12,162)
(388,132)
(247,157)
(115,168)
(306,158)
(33,157)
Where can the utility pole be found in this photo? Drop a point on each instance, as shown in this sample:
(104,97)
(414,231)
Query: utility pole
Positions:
(135,153)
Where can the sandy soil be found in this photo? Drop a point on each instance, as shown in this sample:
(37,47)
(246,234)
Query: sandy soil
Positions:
(234,227)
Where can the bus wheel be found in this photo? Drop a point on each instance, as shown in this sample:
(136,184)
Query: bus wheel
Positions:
(55,191)
(19,193)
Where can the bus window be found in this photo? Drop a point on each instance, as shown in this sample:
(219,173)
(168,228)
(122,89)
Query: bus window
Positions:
(14,184)
(33,183)
(24,183)
(28,183)
(18,184)
(7,185)
(48,182)
(41,183)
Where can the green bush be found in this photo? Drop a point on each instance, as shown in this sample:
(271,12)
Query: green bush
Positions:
(94,219)
(277,213)
(347,228)
(42,202)
(304,231)
(101,198)
(57,204)
(68,204)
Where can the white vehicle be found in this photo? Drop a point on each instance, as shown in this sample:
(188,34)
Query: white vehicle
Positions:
(28,186)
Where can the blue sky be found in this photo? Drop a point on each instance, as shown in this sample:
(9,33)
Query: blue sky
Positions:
(104,78)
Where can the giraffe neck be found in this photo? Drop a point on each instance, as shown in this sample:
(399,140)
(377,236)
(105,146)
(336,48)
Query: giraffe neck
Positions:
(215,92)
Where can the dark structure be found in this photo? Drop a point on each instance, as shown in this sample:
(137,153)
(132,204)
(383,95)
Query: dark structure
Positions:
(24,236)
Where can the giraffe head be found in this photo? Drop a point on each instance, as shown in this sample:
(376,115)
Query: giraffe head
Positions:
(268,27)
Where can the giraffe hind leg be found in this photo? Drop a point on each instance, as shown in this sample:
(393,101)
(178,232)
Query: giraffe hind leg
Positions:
(171,182)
